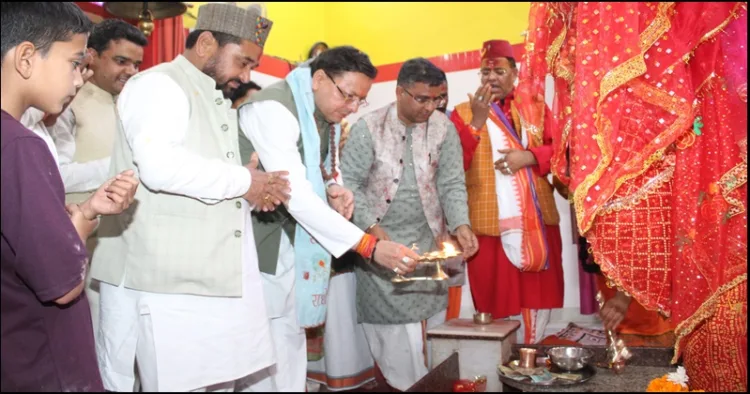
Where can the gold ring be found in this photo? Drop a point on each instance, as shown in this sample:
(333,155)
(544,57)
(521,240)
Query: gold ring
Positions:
(266,198)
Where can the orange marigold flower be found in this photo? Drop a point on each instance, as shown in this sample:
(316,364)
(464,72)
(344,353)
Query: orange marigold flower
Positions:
(663,385)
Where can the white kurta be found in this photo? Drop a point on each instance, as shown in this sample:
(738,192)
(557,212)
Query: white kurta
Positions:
(32,120)
(77,177)
(182,342)
(274,132)
(60,138)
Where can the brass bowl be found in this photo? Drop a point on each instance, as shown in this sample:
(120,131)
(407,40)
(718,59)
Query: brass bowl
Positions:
(482,318)
(570,358)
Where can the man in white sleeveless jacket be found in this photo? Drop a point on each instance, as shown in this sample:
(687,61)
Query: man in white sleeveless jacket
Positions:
(181,293)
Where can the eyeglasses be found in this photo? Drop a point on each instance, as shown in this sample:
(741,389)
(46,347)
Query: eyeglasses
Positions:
(438,101)
(349,99)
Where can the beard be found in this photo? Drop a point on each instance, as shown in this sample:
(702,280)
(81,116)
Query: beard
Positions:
(212,70)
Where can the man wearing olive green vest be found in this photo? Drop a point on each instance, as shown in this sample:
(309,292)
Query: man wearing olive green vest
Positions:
(85,131)
(294,125)
(181,294)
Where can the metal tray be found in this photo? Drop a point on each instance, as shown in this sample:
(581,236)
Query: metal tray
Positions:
(588,372)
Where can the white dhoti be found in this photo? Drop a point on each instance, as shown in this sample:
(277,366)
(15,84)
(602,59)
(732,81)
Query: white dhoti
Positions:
(400,350)
(288,338)
(347,362)
(533,320)
(91,287)
(185,342)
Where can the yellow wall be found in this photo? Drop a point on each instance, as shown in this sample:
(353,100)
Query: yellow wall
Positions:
(390,32)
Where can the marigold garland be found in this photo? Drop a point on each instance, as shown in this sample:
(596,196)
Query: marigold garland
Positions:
(675,382)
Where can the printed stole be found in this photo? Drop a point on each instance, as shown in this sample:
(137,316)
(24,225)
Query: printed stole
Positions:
(534,248)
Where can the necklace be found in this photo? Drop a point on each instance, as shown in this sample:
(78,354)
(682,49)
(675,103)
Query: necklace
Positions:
(332,151)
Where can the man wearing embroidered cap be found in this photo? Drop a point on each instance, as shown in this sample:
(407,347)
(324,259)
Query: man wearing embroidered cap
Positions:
(181,293)
(518,269)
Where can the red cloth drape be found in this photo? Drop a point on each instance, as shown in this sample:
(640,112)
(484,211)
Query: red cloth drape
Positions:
(165,42)
(655,115)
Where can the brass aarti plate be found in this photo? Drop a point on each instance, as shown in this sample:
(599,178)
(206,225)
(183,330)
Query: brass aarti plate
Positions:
(435,258)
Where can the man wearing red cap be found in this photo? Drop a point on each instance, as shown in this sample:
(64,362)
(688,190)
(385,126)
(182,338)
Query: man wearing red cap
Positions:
(518,269)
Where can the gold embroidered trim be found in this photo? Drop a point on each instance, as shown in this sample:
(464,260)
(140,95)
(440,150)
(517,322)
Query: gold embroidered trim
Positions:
(685,141)
(613,282)
(643,193)
(564,73)
(730,182)
(535,132)
(556,158)
(611,270)
(732,15)
(656,29)
(659,98)
(706,310)
(703,84)
(554,48)
(636,65)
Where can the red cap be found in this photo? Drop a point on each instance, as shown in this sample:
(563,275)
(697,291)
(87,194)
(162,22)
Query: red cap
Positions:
(494,49)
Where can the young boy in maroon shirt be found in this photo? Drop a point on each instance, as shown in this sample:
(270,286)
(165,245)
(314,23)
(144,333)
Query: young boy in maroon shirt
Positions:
(47,342)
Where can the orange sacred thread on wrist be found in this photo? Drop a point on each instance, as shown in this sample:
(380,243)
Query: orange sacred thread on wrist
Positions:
(474,131)
(366,246)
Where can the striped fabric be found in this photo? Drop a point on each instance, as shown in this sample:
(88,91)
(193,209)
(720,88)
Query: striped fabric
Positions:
(480,184)
(521,205)
(483,199)
(544,189)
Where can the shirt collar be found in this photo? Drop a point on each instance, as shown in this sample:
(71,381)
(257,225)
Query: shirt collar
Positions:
(203,81)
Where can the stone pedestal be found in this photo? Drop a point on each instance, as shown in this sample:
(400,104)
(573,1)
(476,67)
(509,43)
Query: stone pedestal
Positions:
(480,347)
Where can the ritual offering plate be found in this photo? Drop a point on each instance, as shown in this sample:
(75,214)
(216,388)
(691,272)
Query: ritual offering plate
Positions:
(438,259)
(544,374)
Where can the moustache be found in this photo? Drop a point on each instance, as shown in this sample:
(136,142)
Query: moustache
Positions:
(226,84)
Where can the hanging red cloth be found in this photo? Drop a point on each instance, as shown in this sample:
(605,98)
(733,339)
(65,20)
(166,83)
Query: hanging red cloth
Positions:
(165,42)
(653,100)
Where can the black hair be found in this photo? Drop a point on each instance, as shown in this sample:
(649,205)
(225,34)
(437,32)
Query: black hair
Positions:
(312,49)
(221,38)
(41,23)
(445,77)
(420,70)
(512,61)
(339,60)
(110,30)
(241,91)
